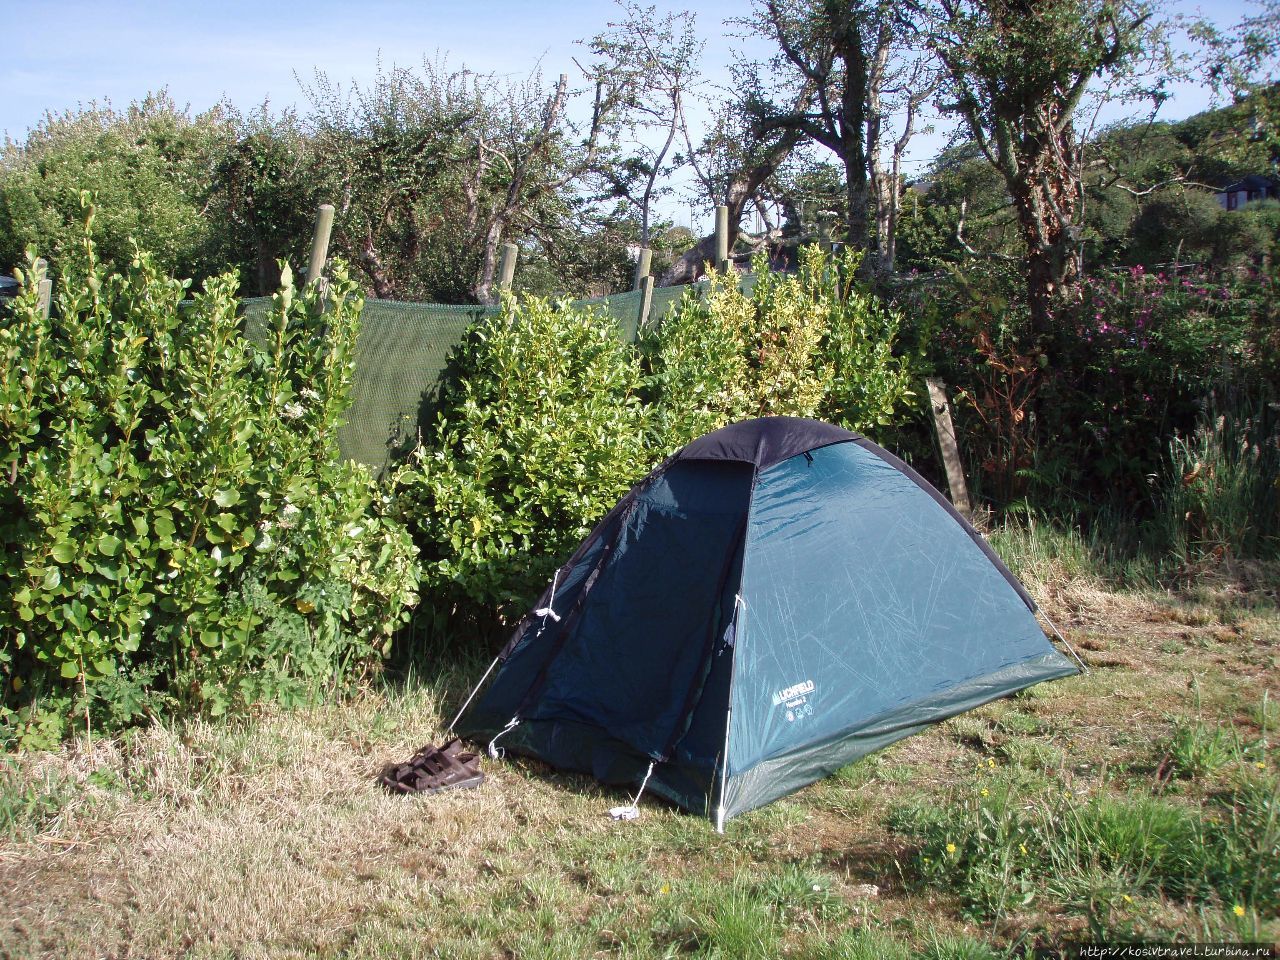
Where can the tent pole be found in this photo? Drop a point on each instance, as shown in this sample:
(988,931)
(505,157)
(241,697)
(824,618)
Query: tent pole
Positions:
(724,772)
(1058,633)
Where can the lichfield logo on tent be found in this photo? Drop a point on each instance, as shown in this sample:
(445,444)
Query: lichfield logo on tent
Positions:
(790,693)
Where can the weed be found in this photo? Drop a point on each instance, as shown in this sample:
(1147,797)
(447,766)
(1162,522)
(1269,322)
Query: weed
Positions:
(739,926)
(957,948)
(866,943)
(30,803)
(1032,754)
(1197,749)
(802,891)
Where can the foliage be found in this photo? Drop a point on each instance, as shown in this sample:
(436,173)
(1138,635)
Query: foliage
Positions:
(1176,227)
(150,167)
(264,197)
(818,343)
(430,170)
(1141,355)
(540,430)
(179,530)
(1248,237)
(1080,420)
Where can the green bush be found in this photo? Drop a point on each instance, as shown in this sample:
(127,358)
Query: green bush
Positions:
(542,425)
(539,431)
(179,531)
(814,344)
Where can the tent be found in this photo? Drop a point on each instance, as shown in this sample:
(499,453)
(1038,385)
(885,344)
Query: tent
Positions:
(774,601)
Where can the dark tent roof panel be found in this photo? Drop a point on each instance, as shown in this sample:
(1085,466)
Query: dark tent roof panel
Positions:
(765,441)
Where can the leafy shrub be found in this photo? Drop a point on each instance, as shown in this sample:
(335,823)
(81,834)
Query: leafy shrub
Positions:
(814,344)
(1249,235)
(698,363)
(542,427)
(540,430)
(179,530)
(1178,225)
(1136,362)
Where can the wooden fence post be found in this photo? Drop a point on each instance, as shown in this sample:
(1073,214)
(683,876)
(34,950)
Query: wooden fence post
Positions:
(643,262)
(507,265)
(45,297)
(44,287)
(320,243)
(646,301)
(824,231)
(722,238)
(941,408)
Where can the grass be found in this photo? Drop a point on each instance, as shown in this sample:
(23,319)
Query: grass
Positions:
(1138,800)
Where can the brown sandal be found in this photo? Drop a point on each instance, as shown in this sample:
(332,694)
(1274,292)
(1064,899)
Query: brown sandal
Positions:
(434,770)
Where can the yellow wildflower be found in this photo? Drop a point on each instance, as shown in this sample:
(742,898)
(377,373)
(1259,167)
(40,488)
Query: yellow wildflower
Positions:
(986,792)
(666,888)
(1260,765)
(1238,910)
(1022,847)
(991,761)
(951,848)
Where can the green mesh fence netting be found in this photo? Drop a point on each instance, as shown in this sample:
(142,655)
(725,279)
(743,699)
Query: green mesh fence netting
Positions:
(402,350)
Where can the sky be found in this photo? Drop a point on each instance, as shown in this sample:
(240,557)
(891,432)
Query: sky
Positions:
(74,52)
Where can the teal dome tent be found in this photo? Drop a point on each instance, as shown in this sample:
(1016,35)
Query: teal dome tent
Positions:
(776,600)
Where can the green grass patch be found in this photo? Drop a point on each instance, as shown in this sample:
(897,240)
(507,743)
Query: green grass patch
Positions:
(1003,845)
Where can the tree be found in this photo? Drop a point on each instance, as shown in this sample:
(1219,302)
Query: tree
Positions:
(432,170)
(149,166)
(1017,71)
(263,197)
(854,67)
(645,70)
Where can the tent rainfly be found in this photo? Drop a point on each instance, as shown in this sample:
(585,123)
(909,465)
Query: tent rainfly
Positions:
(776,600)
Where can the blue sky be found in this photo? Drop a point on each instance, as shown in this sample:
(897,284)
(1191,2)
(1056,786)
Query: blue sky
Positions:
(65,52)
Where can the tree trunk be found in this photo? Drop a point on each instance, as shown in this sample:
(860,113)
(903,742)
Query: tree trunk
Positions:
(852,117)
(383,289)
(1046,189)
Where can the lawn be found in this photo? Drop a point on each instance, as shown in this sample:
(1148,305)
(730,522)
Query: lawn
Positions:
(1139,800)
